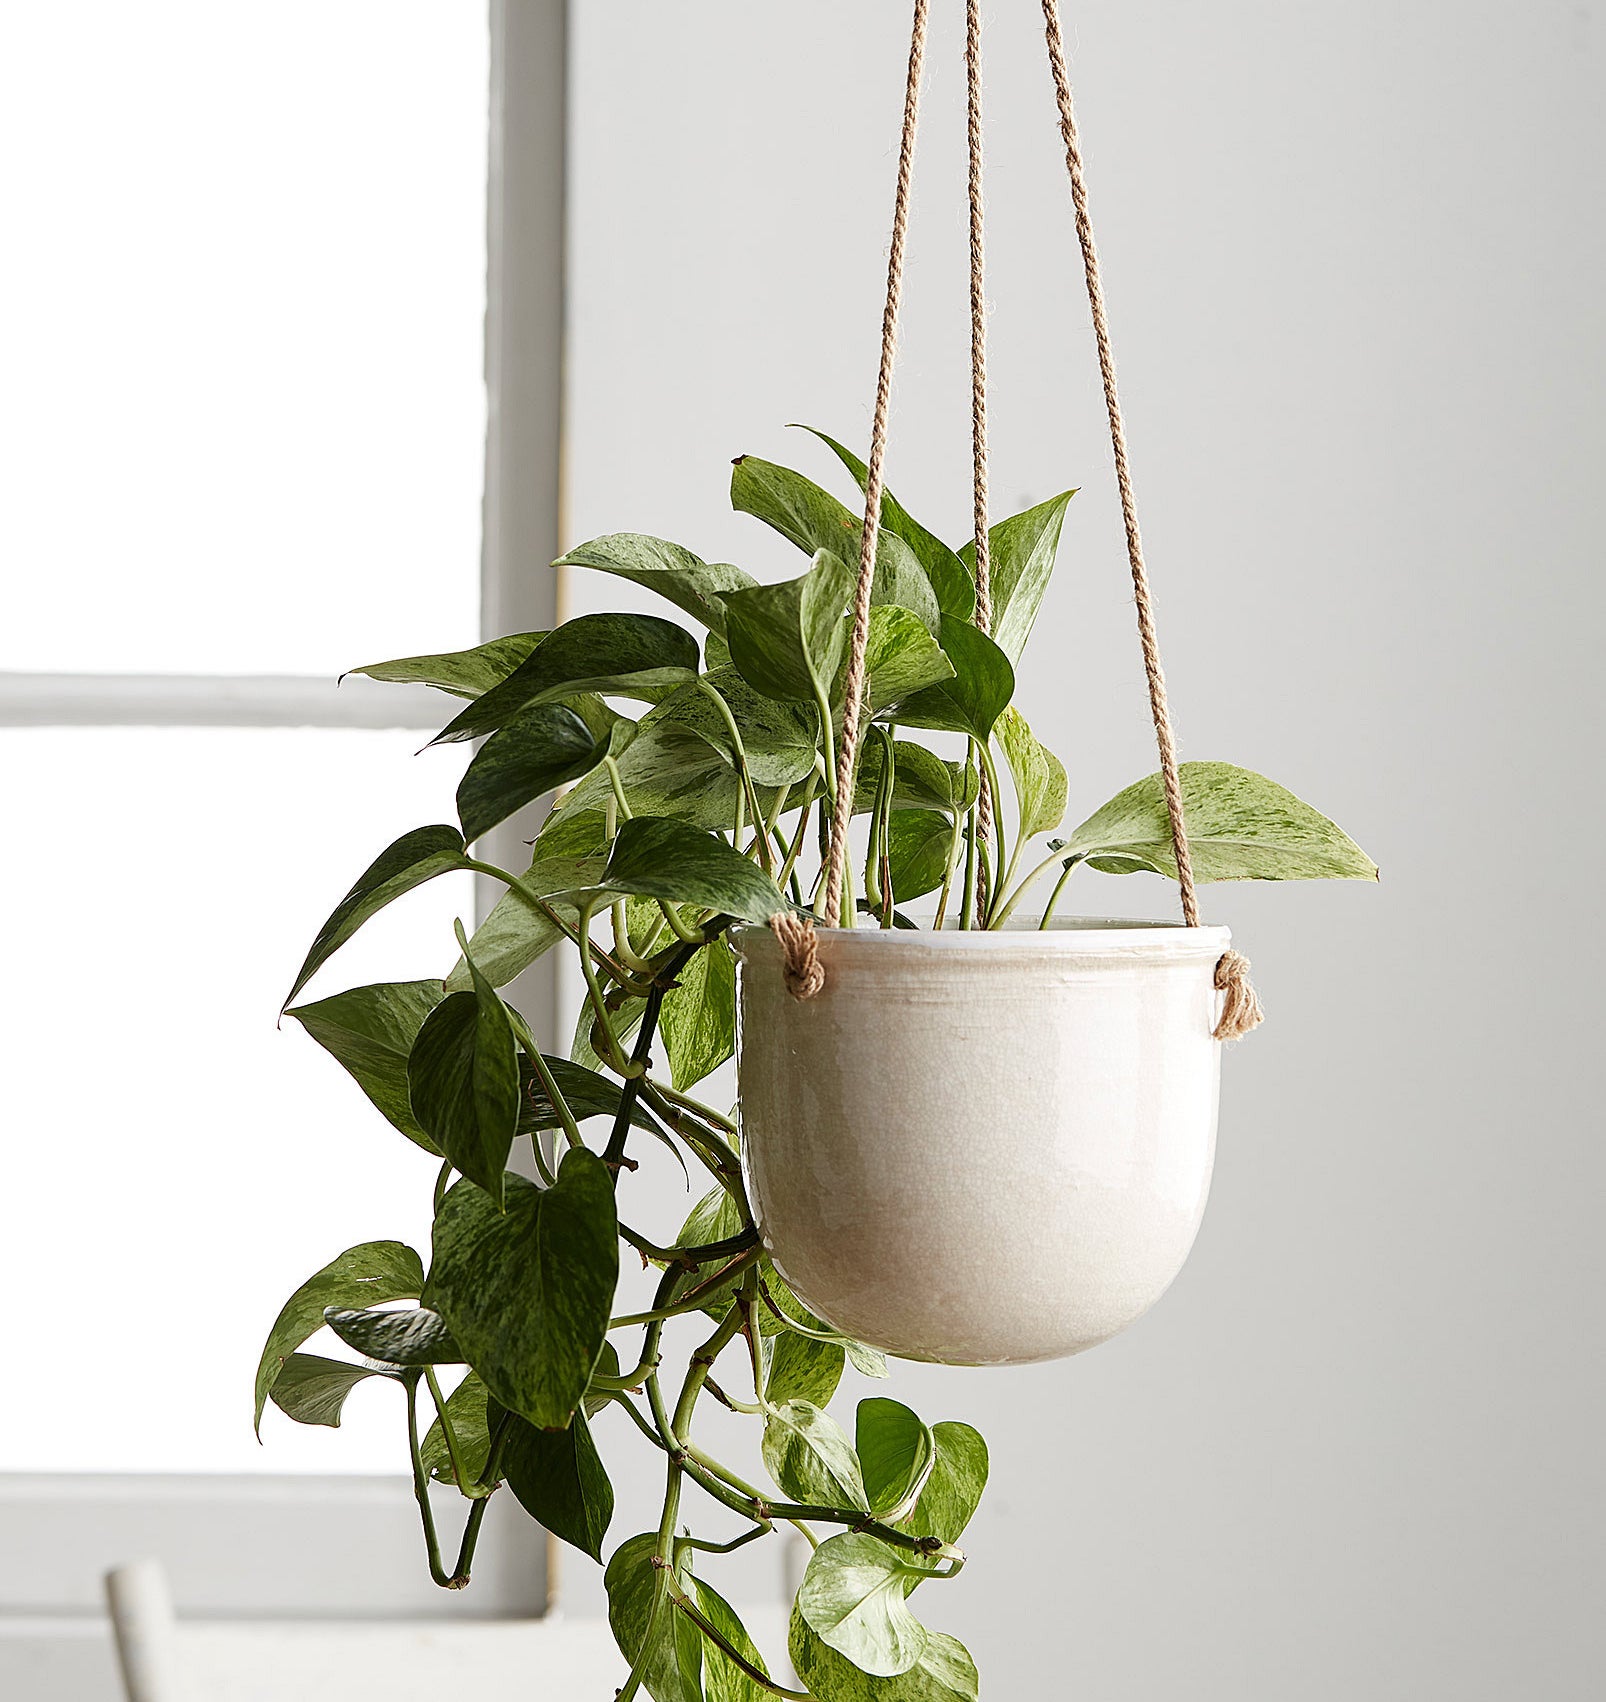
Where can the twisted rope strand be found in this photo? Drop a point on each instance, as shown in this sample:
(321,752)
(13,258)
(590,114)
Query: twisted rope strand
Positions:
(978,387)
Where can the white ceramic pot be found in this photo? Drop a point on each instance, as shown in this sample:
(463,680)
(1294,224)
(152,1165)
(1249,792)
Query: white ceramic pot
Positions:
(982,1148)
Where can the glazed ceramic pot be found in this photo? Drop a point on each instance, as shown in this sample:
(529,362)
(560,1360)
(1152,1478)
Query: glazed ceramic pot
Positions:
(982,1148)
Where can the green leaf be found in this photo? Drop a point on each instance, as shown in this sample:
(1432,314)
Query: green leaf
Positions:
(674,573)
(398,1336)
(953,1490)
(463,673)
(802,1369)
(779,737)
(673,1670)
(527,1291)
(369,1031)
(1241,827)
(536,752)
(668,770)
(867,1361)
(698,1017)
(788,640)
(975,697)
(918,846)
(950,579)
(586,1093)
(921,780)
(854,1598)
(466,1407)
(626,1015)
(724,1680)
(560,1482)
(1039,775)
(623,655)
(656,857)
(413,859)
(897,1453)
(312,1390)
(1021,554)
(900,658)
(809,1456)
(463,1081)
(814,520)
(944,1672)
(374,1271)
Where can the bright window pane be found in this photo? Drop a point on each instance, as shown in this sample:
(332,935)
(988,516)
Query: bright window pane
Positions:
(175,1165)
(241,328)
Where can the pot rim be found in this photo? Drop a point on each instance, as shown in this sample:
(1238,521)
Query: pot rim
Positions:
(1065,936)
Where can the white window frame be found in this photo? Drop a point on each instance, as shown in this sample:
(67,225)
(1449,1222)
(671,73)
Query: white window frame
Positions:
(524,326)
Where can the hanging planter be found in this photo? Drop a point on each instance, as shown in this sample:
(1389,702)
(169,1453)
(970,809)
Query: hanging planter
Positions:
(964,1136)
(982,1148)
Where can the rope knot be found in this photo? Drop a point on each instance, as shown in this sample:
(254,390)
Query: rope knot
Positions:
(1240,1009)
(800,954)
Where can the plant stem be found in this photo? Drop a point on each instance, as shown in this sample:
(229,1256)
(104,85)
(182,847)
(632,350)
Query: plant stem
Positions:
(488,1481)
(997,795)
(687,1606)
(441,1182)
(460,1477)
(566,1118)
(692,1301)
(432,1545)
(740,750)
(967,913)
(1054,896)
(615,1058)
(1030,879)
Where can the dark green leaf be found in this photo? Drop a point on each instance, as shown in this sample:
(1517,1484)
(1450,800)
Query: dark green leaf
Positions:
(673,1671)
(950,578)
(788,640)
(659,858)
(463,673)
(361,1276)
(1241,827)
(1039,775)
(854,1598)
(809,1456)
(413,859)
(527,1291)
(403,1336)
(1021,550)
(975,697)
(312,1390)
(669,770)
(724,1681)
(463,1081)
(918,847)
(560,1481)
(623,655)
(539,750)
(921,780)
(674,573)
(778,736)
(802,1369)
(466,1408)
(944,1672)
(370,1031)
(897,1453)
(698,1017)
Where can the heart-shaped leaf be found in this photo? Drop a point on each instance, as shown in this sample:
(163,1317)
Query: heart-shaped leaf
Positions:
(1241,827)
(399,1336)
(921,780)
(1021,553)
(623,655)
(669,769)
(698,1017)
(900,658)
(854,1598)
(788,640)
(802,1369)
(655,857)
(463,1082)
(539,750)
(526,1292)
(809,1456)
(1039,775)
(361,1276)
(944,1672)
(951,580)
(975,697)
(814,520)
(369,1031)
(413,859)
(724,1681)
(642,1619)
(674,573)
(463,673)
(919,843)
(897,1453)
(559,1481)
(952,1492)
(778,736)
(313,1390)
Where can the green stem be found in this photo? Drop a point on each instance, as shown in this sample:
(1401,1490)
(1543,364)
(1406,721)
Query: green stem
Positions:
(695,1614)
(615,1057)
(489,1478)
(437,1572)
(740,750)
(441,1183)
(967,913)
(538,903)
(1030,879)
(459,1475)
(694,1299)
(996,795)
(566,1118)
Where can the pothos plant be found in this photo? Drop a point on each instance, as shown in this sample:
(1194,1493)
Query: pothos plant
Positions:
(708,807)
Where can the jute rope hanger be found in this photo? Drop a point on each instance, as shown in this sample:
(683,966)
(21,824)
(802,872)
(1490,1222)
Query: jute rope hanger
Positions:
(803,972)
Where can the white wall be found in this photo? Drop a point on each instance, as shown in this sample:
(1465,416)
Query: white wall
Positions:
(1354,260)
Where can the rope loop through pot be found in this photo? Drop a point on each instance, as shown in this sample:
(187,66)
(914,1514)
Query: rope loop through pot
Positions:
(804,975)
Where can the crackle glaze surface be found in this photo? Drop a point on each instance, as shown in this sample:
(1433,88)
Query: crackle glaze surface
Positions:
(982,1148)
